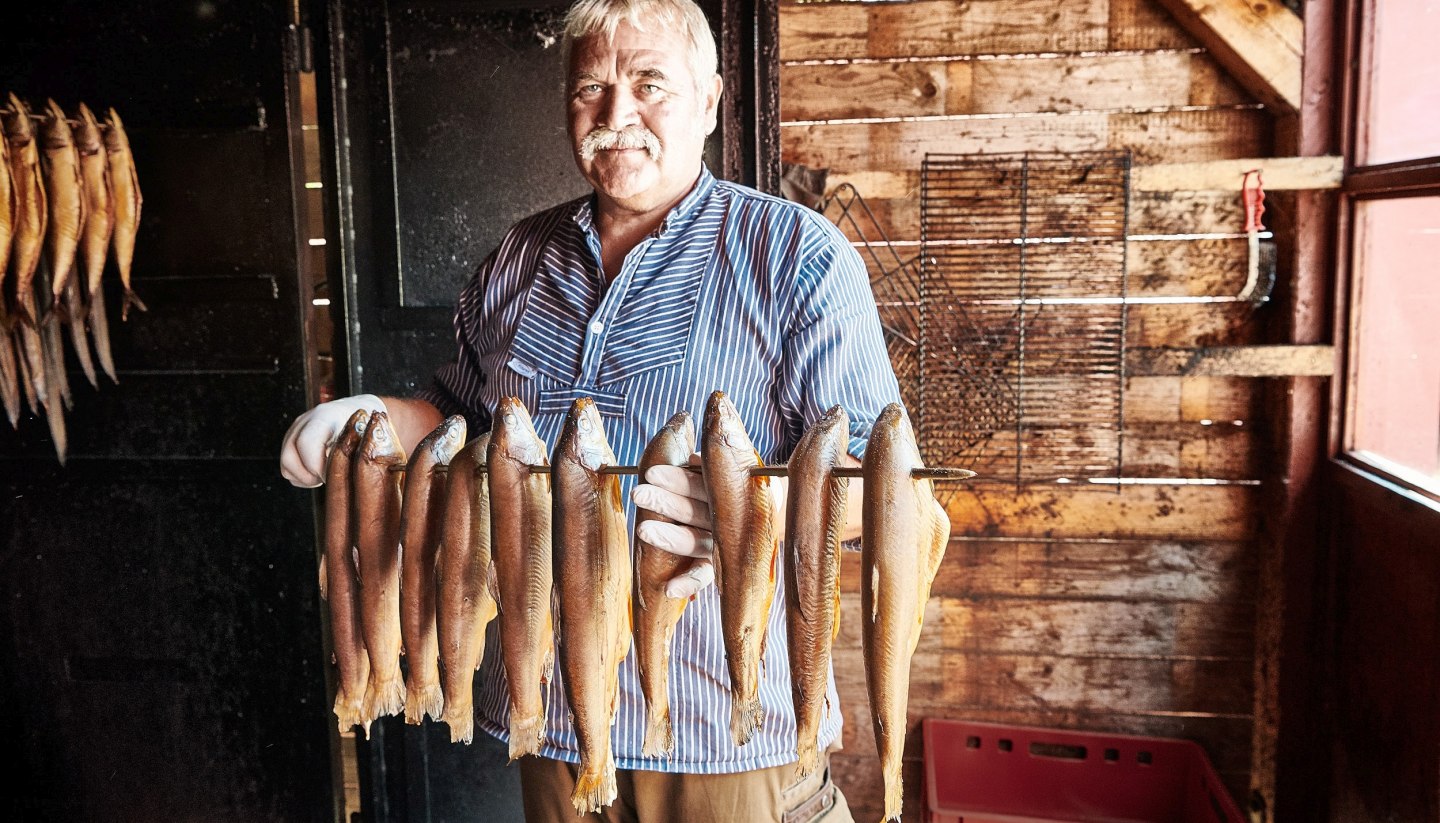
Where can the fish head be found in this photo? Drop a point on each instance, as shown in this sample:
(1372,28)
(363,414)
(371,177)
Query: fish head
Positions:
(682,427)
(115,139)
(723,423)
(514,433)
(87,133)
(55,129)
(451,440)
(892,433)
(18,128)
(583,440)
(380,443)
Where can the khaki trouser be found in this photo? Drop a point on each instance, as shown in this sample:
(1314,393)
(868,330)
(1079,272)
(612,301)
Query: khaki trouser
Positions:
(662,797)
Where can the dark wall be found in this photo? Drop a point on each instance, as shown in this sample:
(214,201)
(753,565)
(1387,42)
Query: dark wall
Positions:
(161,658)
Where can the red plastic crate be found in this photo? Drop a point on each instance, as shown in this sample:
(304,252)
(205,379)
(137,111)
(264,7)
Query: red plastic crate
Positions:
(998,773)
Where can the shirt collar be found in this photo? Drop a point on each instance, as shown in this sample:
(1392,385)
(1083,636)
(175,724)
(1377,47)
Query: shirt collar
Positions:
(585,215)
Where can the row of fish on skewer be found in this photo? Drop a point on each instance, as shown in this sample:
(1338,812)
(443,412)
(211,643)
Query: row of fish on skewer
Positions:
(422,552)
(69,200)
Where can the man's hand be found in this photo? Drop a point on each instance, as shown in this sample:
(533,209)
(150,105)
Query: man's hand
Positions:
(679,494)
(306,446)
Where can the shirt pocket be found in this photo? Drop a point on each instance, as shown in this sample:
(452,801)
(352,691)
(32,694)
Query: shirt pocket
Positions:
(652,327)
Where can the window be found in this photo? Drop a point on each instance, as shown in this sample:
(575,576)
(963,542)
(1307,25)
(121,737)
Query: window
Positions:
(1392,201)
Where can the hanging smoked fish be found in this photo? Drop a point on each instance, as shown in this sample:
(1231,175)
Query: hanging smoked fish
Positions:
(903,541)
(520,543)
(376,505)
(421,519)
(815,514)
(592,586)
(125,188)
(741,512)
(339,581)
(99,225)
(656,612)
(465,604)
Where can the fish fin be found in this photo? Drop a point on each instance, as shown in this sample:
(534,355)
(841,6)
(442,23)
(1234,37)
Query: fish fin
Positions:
(324,580)
(527,734)
(547,662)
(659,734)
(131,299)
(461,722)
(746,717)
(874,592)
(386,698)
(835,624)
(492,585)
(355,561)
(893,790)
(809,753)
(595,787)
(637,563)
(426,700)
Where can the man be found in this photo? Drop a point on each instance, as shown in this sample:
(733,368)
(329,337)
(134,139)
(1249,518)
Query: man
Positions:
(663,286)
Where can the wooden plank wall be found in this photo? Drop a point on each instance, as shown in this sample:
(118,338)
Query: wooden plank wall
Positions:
(1131,610)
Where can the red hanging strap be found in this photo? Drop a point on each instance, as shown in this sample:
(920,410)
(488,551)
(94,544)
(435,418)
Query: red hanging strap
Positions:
(1252,195)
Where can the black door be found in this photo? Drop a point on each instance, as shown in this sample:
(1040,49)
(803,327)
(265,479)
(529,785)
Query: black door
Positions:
(447,125)
(161,658)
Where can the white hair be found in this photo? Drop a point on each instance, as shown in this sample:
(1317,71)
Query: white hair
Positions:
(588,17)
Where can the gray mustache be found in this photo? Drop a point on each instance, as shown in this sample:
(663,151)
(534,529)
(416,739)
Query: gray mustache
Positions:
(602,138)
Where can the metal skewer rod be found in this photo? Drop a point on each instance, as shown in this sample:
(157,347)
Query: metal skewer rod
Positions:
(938,473)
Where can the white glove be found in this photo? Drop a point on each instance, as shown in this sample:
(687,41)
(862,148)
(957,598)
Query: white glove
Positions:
(680,495)
(306,446)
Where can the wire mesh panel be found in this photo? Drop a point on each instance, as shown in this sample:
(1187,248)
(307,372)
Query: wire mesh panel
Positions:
(1022,315)
(894,281)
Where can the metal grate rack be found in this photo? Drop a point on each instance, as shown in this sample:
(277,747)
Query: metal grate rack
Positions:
(1022,314)
(894,281)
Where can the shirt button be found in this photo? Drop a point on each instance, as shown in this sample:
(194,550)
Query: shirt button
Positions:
(597,327)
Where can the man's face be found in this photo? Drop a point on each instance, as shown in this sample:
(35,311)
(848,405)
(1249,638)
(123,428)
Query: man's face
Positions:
(639,85)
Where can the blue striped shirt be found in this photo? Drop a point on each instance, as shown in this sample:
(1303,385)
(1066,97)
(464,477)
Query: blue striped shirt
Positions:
(737,291)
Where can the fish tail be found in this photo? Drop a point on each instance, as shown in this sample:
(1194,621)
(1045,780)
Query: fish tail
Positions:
(746,715)
(892,791)
(459,715)
(421,700)
(526,734)
(100,332)
(659,735)
(131,299)
(809,758)
(595,787)
(384,698)
(347,711)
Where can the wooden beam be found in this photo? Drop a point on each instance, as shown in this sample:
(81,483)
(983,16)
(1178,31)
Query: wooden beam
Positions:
(1277,174)
(1233,361)
(1260,42)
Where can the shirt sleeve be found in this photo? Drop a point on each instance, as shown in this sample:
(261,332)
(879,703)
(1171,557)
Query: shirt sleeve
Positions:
(834,349)
(456,386)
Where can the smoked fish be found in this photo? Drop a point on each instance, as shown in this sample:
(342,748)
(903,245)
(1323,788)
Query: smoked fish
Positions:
(125,191)
(465,604)
(657,613)
(339,581)
(814,523)
(31,214)
(99,205)
(903,541)
(60,161)
(422,514)
(95,239)
(520,534)
(592,585)
(7,220)
(376,505)
(741,513)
